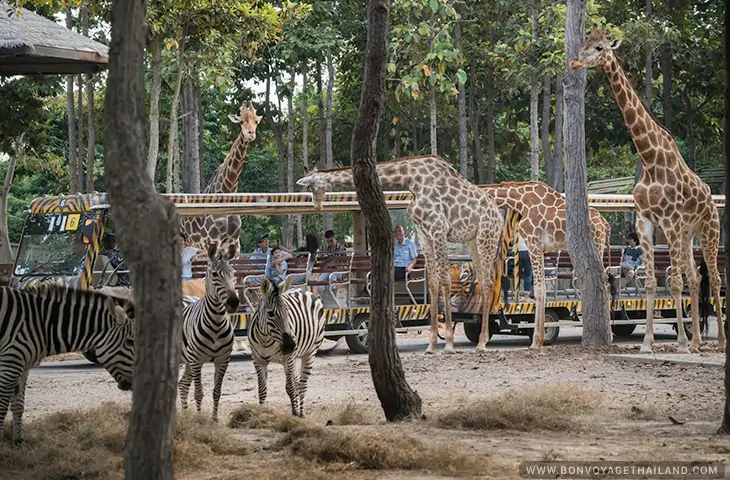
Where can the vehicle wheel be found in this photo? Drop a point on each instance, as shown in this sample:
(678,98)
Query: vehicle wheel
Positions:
(358,343)
(472,330)
(688,328)
(90,355)
(624,330)
(551,333)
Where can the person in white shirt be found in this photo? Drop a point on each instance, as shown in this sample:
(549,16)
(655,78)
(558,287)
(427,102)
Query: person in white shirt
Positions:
(525,268)
(188,254)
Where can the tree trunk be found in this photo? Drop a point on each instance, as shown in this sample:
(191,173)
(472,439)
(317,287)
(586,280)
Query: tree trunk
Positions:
(288,234)
(489,175)
(434,114)
(176,158)
(322,127)
(281,149)
(173,113)
(414,127)
(463,149)
(666,60)
(147,227)
(156,66)
(397,147)
(534,99)
(305,140)
(80,137)
(6,252)
(725,426)
(647,84)
(557,162)
(545,127)
(474,117)
(397,398)
(91,112)
(71,117)
(586,261)
(328,218)
(191,150)
(201,122)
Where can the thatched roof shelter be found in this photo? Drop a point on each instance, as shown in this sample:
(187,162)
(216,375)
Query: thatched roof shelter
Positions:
(34,44)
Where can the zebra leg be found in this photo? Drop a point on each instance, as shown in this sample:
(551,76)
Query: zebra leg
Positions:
(292,383)
(17,407)
(306,370)
(221,365)
(262,368)
(184,386)
(196,368)
(10,373)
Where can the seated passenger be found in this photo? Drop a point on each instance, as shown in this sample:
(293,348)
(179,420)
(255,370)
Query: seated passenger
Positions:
(332,246)
(404,255)
(276,270)
(633,257)
(188,254)
(116,259)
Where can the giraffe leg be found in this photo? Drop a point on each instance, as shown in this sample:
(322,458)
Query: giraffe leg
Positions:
(690,270)
(486,250)
(676,282)
(538,274)
(709,240)
(432,275)
(441,254)
(645,232)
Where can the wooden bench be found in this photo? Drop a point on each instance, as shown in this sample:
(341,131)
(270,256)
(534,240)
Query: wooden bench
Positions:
(338,265)
(416,275)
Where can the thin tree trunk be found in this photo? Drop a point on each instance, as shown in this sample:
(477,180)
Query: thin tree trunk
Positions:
(725,426)
(148,232)
(201,131)
(647,84)
(586,261)
(322,127)
(534,99)
(305,140)
(414,127)
(434,114)
(489,175)
(666,61)
(281,148)
(545,127)
(327,218)
(558,151)
(288,235)
(463,149)
(397,147)
(156,66)
(71,117)
(6,252)
(397,398)
(80,137)
(91,112)
(173,112)
(176,158)
(478,166)
(191,150)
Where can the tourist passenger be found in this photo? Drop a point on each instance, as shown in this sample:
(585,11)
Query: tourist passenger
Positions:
(116,259)
(525,268)
(276,270)
(405,253)
(331,246)
(633,258)
(188,254)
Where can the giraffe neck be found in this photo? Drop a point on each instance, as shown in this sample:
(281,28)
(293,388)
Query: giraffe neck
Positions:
(649,136)
(408,174)
(225,178)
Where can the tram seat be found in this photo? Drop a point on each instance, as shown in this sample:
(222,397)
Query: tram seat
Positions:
(296,269)
(338,265)
(103,273)
(417,275)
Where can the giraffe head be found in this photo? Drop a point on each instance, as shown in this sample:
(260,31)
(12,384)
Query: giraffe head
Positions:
(248,120)
(317,183)
(595,50)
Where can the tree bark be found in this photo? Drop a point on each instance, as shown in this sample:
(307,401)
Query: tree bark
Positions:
(176,158)
(191,150)
(534,99)
(545,127)
(666,61)
(156,67)
(91,115)
(71,117)
(173,113)
(147,228)
(647,84)
(305,139)
(288,234)
(434,119)
(322,127)
(328,218)
(725,426)
(397,398)
(280,147)
(489,175)
(80,138)
(6,252)
(586,260)
(463,149)
(474,118)
(557,162)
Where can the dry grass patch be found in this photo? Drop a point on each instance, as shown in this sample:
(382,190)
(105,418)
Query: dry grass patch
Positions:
(89,444)
(257,416)
(547,407)
(341,449)
(351,414)
(64,357)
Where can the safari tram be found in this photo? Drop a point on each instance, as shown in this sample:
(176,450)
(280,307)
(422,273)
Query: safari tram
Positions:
(61,243)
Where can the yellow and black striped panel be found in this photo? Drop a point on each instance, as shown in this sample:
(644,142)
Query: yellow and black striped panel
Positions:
(68,203)
(509,231)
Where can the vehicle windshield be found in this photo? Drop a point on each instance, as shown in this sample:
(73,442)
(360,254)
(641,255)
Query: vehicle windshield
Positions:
(51,244)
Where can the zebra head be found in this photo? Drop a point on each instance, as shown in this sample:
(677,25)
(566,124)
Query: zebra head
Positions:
(115,349)
(220,278)
(273,312)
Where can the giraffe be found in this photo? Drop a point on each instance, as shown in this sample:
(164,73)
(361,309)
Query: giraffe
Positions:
(446,207)
(543,226)
(199,231)
(668,195)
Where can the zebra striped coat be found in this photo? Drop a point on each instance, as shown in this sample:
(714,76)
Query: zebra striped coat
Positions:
(51,319)
(287,325)
(207,333)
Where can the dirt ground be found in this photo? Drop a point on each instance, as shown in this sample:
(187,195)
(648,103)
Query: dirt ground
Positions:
(641,411)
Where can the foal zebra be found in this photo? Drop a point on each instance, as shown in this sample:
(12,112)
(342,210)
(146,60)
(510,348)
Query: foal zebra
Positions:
(207,332)
(51,319)
(286,326)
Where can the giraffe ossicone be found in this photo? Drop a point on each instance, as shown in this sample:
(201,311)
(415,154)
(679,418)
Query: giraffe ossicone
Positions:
(668,195)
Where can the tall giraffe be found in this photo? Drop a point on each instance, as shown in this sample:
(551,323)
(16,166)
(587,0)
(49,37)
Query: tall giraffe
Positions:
(543,226)
(446,207)
(200,231)
(668,195)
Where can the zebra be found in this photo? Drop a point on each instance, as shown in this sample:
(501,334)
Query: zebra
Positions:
(45,320)
(207,333)
(286,325)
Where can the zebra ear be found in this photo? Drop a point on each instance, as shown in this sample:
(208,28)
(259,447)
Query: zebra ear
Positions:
(119,314)
(212,248)
(232,251)
(265,286)
(286,284)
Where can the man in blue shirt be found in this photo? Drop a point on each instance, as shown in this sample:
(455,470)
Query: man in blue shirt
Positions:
(404,255)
